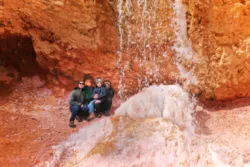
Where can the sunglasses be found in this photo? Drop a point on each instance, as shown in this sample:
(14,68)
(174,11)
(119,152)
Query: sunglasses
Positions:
(81,83)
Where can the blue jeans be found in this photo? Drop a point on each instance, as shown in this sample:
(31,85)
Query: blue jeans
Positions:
(91,106)
(76,110)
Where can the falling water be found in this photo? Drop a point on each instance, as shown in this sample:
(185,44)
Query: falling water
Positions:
(121,86)
(140,41)
(144,35)
(183,46)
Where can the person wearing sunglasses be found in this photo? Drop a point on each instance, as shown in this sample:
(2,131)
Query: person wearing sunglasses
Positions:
(76,102)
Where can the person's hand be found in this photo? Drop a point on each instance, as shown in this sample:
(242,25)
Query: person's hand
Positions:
(96,96)
(98,101)
(82,105)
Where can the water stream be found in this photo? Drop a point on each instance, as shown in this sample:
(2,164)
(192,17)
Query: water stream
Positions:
(146,29)
(141,41)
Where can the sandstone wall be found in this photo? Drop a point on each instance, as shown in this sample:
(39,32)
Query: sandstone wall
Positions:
(76,37)
(220,33)
(70,37)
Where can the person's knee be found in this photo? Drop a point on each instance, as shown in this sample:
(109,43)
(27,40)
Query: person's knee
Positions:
(97,102)
(74,108)
(85,108)
(91,105)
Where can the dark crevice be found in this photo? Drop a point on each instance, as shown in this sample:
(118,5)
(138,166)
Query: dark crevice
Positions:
(17,59)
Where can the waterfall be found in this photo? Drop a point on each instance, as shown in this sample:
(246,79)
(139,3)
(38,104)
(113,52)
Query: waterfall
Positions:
(120,58)
(140,42)
(183,46)
(144,34)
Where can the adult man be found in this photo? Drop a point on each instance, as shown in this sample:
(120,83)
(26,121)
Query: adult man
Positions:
(76,102)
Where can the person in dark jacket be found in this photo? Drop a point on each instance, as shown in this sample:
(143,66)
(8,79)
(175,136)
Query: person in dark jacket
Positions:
(88,90)
(108,100)
(76,102)
(99,95)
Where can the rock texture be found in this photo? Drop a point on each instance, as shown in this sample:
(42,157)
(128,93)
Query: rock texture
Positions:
(220,34)
(59,41)
(71,38)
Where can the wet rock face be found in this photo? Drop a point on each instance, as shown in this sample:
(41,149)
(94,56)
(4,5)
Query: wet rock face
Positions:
(145,54)
(219,31)
(71,38)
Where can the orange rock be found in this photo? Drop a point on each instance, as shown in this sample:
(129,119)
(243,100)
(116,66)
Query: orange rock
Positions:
(71,39)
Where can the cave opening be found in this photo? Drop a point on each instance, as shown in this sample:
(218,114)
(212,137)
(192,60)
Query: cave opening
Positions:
(17,60)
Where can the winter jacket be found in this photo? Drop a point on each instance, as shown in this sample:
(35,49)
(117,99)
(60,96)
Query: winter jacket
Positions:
(77,97)
(101,91)
(110,93)
(88,94)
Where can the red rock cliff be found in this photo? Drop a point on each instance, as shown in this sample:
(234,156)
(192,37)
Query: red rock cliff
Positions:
(68,38)
(220,34)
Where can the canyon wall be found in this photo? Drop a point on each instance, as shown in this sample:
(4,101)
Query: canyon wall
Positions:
(70,38)
(220,34)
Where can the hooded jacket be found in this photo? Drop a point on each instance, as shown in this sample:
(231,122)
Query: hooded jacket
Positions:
(77,97)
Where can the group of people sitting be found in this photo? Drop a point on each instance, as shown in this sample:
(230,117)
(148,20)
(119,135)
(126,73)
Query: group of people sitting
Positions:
(87,101)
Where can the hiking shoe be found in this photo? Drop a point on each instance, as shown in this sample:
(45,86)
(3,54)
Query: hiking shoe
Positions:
(107,113)
(71,124)
(91,116)
(79,119)
(99,115)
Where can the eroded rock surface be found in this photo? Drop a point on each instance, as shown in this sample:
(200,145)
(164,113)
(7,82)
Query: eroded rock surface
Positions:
(71,38)
(220,34)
